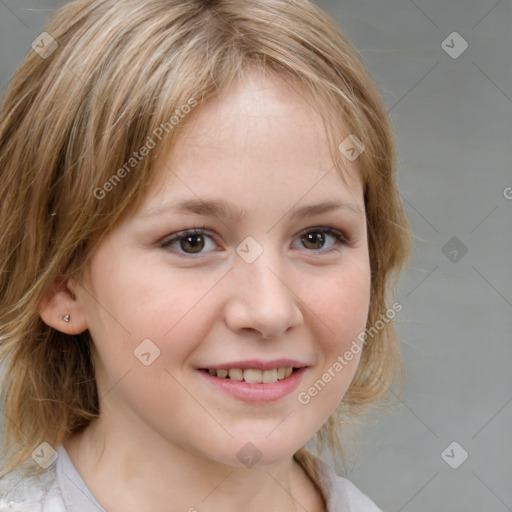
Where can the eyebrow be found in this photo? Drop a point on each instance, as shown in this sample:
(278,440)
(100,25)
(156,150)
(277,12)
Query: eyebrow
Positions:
(221,210)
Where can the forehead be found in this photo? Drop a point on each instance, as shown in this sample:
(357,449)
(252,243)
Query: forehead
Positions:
(261,116)
(260,140)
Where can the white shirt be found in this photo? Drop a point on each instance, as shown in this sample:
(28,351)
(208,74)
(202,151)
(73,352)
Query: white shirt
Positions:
(61,489)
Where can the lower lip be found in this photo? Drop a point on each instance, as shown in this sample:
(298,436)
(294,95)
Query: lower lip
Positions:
(257,392)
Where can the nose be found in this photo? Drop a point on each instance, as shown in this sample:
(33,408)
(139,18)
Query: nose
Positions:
(262,299)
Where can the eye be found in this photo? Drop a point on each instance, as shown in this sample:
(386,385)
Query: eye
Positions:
(193,241)
(316,238)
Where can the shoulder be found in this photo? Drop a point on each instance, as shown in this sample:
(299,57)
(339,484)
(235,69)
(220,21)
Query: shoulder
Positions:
(356,500)
(36,493)
(339,493)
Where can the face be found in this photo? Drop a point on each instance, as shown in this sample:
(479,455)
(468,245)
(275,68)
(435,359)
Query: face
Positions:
(228,266)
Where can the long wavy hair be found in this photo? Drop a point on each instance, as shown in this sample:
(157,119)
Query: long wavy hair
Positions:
(105,76)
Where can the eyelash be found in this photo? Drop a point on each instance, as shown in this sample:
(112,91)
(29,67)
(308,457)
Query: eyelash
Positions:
(340,237)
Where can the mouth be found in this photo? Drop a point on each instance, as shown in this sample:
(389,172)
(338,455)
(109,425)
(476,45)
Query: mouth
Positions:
(252,375)
(256,381)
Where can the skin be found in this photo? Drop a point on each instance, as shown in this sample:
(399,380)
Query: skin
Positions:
(165,438)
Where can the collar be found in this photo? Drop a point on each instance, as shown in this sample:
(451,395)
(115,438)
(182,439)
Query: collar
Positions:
(340,495)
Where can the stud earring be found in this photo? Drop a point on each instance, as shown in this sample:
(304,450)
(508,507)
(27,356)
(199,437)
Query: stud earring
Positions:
(65,317)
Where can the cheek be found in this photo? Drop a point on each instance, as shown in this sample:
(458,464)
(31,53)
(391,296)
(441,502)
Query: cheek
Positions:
(341,303)
(340,306)
(135,302)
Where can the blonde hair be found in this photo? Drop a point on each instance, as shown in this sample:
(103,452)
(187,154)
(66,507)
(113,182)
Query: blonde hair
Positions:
(73,116)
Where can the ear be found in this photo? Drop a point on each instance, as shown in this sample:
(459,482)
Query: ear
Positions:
(58,301)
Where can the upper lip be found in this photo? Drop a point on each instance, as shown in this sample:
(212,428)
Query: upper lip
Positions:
(257,364)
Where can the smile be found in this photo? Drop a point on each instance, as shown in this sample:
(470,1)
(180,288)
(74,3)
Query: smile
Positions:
(254,385)
(252,375)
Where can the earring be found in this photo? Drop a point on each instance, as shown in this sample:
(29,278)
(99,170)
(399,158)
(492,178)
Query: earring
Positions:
(65,317)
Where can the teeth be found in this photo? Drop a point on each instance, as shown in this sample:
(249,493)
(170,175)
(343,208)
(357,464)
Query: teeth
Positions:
(270,376)
(236,374)
(254,376)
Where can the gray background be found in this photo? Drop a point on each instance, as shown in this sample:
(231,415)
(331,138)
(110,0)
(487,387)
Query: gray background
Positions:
(453,121)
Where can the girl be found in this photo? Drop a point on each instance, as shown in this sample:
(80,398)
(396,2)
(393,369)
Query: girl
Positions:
(200,228)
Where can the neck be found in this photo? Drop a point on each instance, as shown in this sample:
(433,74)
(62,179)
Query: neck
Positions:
(127,470)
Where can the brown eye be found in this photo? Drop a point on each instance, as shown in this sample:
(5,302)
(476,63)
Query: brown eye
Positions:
(322,240)
(196,241)
(192,243)
(313,240)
